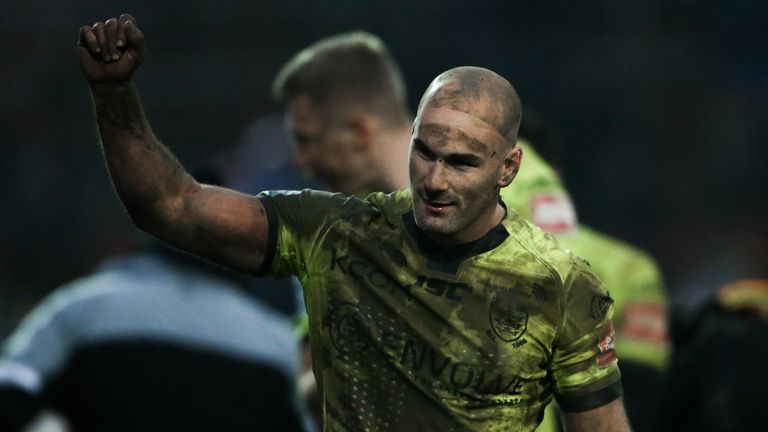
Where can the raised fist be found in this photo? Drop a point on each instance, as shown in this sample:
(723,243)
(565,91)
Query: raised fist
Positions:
(110,51)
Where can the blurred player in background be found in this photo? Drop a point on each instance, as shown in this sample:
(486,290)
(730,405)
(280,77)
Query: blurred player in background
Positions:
(381,275)
(158,340)
(631,275)
(714,382)
(153,341)
(345,102)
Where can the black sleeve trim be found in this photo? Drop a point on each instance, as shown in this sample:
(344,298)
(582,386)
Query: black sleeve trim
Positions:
(273,228)
(592,400)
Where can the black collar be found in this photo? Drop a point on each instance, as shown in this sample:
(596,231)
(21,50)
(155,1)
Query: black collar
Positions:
(448,261)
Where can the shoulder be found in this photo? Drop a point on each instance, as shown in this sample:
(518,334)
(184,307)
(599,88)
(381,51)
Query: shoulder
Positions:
(115,277)
(305,196)
(388,208)
(622,266)
(70,304)
(308,203)
(84,290)
(537,248)
(398,201)
(618,249)
(394,203)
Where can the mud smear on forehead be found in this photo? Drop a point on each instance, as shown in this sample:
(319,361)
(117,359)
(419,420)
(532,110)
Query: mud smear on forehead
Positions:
(440,136)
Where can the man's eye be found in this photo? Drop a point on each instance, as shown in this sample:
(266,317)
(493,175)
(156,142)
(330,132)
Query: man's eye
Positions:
(461,164)
(424,152)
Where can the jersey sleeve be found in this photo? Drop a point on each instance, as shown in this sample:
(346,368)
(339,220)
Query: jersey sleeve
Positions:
(642,320)
(296,221)
(584,365)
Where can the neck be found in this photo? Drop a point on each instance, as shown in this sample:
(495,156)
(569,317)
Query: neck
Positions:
(480,228)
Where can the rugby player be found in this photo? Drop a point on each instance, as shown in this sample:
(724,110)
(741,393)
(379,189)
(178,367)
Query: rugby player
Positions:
(430,309)
(339,83)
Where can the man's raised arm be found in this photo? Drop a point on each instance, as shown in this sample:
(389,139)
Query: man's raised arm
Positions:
(224,226)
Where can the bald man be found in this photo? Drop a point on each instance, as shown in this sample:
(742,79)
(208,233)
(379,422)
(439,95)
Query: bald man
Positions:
(430,309)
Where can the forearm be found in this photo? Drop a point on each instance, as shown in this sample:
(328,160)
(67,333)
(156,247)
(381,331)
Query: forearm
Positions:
(607,418)
(146,175)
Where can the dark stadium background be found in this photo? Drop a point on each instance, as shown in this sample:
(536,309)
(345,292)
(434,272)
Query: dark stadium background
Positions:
(658,109)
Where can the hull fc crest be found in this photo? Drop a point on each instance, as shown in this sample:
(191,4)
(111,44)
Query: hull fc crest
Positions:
(508,319)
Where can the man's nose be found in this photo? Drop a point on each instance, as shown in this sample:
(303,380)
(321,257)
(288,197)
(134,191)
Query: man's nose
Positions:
(436,177)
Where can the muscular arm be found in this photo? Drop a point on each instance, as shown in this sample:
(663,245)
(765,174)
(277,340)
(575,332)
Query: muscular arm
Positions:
(160,196)
(607,418)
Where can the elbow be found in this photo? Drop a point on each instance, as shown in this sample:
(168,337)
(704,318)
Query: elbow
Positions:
(165,213)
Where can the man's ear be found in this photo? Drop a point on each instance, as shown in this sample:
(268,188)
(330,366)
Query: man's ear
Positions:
(361,130)
(511,166)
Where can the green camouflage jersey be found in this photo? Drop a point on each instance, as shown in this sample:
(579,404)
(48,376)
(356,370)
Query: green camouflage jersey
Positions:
(407,338)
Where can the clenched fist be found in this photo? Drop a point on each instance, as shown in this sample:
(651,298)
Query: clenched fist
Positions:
(110,51)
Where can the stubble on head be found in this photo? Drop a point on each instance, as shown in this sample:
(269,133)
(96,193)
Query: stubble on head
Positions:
(479,92)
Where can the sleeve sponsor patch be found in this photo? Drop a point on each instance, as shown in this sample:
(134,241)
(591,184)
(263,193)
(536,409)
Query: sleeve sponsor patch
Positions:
(606,346)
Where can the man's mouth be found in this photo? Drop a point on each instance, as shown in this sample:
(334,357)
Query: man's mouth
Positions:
(436,206)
